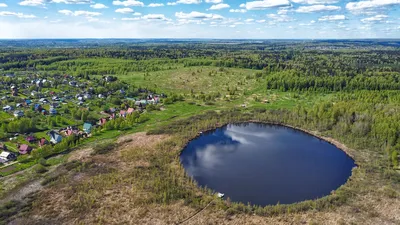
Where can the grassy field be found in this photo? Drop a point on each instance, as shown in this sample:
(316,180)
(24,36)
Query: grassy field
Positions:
(139,177)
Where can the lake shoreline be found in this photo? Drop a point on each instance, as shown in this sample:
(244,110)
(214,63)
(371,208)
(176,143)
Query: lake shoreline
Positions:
(348,151)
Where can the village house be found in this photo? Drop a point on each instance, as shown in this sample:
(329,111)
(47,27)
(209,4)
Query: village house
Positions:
(43,142)
(53,111)
(55,138)
(102,121)
(130,111)
(18,113)
(30,139)
(122,113)
(71,130)
(87,127)
(24,149)
(43,100)
(7,157)
(7,108)
(37,107)
(73,83)
(14,91)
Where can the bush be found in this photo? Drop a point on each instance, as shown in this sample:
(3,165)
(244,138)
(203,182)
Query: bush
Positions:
(43,162)
(103,148)
(40,169)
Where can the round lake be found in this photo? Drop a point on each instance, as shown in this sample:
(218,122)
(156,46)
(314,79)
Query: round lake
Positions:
(266,164)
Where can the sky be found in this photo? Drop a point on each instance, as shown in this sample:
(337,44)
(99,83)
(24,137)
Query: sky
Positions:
(222,19)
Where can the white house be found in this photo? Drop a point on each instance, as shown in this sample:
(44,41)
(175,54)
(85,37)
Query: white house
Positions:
(18,113)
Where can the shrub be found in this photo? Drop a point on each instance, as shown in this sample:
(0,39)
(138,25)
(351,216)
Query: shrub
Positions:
(103,148)
(40,169)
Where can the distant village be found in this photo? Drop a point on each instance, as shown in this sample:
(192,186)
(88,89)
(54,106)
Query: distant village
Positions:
(40,110)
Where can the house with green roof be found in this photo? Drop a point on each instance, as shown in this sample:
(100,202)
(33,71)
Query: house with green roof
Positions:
(87,127)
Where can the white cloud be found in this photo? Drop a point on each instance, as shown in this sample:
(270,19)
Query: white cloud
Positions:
(313,2)
(376,18)
(198,15)
(124,10)
(92,19)
(282,11)
(155,5)
(279,18)
(214,1)
(137,14)
(332,18)
(66,12)
(32,3)
(79,13)
(72,1)
(86,13)
(317,8)
(192,15)
(219,6)
(19,15)
(360,6)
(187,2)
(128,3)
(249,20)
(55,21)
(237,10)
(3,5)
(154,17)
(98,6)
(260,21)
(260,5)
(131,19)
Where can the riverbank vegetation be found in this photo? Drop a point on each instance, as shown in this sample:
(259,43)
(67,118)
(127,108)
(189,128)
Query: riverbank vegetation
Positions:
(344,91)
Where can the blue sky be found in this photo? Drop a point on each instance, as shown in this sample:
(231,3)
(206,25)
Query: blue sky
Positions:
(263,19)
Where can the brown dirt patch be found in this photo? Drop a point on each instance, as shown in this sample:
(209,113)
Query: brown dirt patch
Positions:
(105,193)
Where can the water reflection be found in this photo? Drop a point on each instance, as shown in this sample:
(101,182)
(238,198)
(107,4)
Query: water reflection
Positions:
(265,164)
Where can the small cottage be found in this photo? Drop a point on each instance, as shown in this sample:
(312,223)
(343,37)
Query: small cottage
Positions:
(18,113)
(87,127)
(55,138)
(30,139)
(130,111)
(102,121)
(7,156)
(43,142)
(53,111)
(122,113)
(24,149)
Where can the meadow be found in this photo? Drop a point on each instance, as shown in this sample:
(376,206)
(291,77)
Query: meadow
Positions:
(130,166)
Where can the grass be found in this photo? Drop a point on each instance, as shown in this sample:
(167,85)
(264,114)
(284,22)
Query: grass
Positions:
(141,174)
(196,79)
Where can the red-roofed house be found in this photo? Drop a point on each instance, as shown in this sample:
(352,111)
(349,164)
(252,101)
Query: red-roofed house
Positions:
(43,142)
(130,111)
(122,113)
(25,149)
(69,132)
(30,139)
(102,121)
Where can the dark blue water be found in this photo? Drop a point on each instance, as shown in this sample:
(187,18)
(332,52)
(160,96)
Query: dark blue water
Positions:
(266,164)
